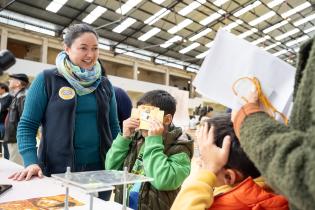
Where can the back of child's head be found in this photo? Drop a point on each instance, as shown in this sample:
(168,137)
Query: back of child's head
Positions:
(237,158)
(160,99)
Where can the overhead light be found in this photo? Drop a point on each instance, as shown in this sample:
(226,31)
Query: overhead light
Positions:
(209,44)
(180,26)
(260,40)
(233,25)
(55,5)
(280,53)
(274,27)
(274,3)
(171,41)
(149,34)
(37,29)
(304,20)
(289,33)
(158,1)
(89,1)
(247,8)
(212,17)
(202,55)
(130,4)
(262,18)
(296,41)
(272,46)
(309,30)
(94,14)
(247,33)
(125,24)
(201,34)
(157,16)
(296,9)
(189,48)
(219,2)
(193,5)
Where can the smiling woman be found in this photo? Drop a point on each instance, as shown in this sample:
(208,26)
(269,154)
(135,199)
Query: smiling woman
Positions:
(76,107)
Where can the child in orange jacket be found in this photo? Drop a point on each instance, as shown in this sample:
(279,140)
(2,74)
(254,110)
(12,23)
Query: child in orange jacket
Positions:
(226,179)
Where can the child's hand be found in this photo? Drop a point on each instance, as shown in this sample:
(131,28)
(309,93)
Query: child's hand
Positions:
(213,158)
(129,126)
(156,128)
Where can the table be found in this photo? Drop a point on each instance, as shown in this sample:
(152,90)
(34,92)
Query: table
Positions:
(46,186)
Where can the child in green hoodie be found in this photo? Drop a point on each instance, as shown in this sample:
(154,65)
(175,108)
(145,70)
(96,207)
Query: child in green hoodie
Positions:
(162,152)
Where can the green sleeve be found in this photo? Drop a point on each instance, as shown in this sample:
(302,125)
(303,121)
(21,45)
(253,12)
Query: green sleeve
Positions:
(168,172)
(117,153)
(284,155)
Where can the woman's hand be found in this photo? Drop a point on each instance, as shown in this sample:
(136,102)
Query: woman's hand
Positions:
(212,157)
(27,173)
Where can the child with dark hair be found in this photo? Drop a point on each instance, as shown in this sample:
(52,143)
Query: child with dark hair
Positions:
(225,167)
(163,152)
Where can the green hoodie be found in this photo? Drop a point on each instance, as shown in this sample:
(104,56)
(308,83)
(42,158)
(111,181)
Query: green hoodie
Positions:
(285,155)
(166,160)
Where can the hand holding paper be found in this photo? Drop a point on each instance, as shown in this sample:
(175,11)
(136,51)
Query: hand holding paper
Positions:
(230,59)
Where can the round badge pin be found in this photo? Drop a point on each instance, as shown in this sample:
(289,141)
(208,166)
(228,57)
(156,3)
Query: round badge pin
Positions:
(66,93)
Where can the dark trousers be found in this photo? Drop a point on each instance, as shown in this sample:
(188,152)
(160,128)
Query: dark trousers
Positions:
(6,153)
(105,195)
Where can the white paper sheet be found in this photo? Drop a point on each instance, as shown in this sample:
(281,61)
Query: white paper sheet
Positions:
(231,58)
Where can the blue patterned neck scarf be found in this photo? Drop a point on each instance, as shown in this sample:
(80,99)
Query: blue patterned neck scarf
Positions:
(82,80)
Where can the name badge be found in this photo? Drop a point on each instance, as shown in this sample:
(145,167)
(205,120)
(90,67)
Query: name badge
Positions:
(66,93)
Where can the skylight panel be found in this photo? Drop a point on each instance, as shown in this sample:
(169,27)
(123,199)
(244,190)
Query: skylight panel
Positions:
(247,33)
(130,4)
(189,48)
(149,34)
(171,41)
(180,26)
(200,34)
(304,20)
(296,41)
(202,55)
(272,46)
(125,24)
(212,17)
(218,3)
(309,30)
(289,33)
(274,27)
(157,16)
(55,5)
(209,44)
(158,1)
(233,25)
(296,9)
(274,3)
(189,8)
(260,40)
(247,8)
(262,18)
(95,13)
(280,52)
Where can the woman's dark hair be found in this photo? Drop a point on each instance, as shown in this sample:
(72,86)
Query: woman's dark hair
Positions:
(75,31)
(237,158)
(160,99)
